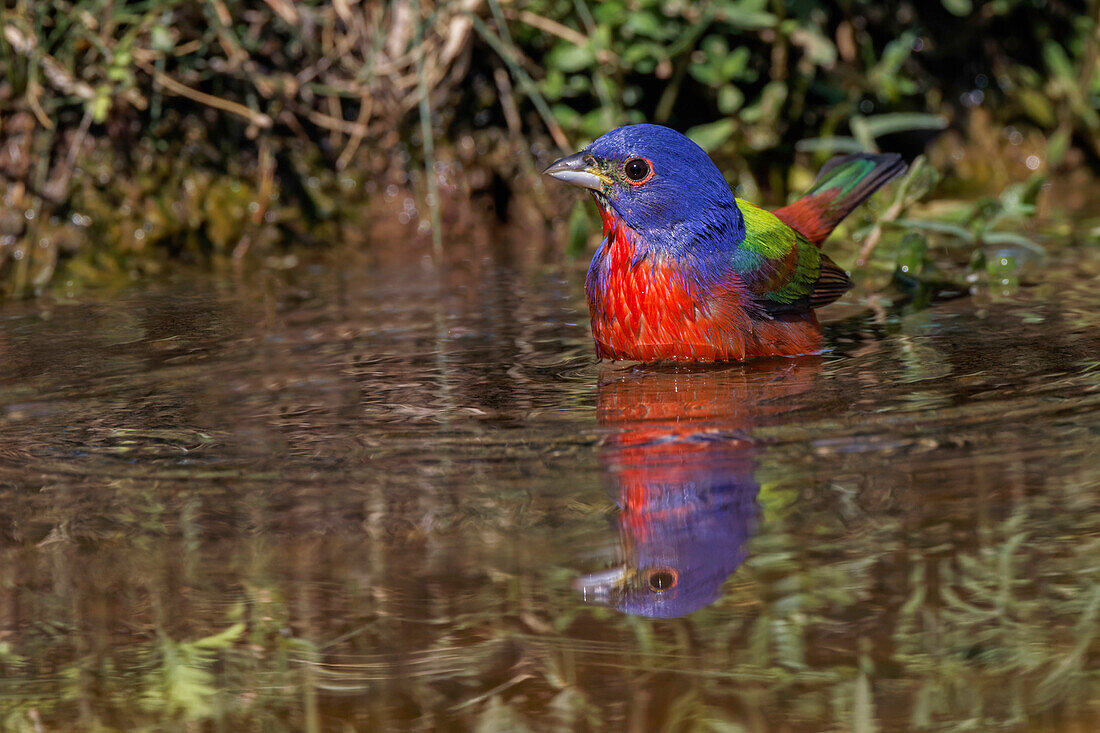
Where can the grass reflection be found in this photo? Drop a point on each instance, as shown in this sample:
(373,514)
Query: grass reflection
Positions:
(300,533)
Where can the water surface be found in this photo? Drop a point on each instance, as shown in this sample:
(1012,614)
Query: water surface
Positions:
(374,498)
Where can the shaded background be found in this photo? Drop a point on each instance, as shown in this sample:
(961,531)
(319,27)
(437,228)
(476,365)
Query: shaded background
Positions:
(133,134)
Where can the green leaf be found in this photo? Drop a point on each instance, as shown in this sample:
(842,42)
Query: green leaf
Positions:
(918,181)
(885,124)
(8,656)
(1013,238)
(749,20)
(715,47)
(566,116)
(766,108)
(895,54)
(705,74)
(1057,145)
(221,639)
(912,253)
(886,78)
(569,58)
(121,75)
(1058,62)
(101,103)
(1032,187)
(819,50)
(1037,105)
(940,227)
(958,7)
(579,84)
(610,13)
(642,52)
(1014,199)
(713,134)
(733,66)
(862,133)
(553,86)
(730,99)
(835,144)
(160,39)
(649,25)
(594,123)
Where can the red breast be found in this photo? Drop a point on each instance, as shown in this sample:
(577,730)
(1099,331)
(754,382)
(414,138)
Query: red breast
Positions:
(649,309)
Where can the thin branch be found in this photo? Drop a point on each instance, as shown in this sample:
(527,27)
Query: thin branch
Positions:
(171,85)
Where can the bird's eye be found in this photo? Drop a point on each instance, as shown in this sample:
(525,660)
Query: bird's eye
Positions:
(662,579)
(637,170)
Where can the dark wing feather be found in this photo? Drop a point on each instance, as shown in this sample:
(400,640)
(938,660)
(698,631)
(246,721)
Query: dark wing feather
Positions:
(831,284)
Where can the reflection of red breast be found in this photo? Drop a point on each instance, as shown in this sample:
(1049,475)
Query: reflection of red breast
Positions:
(736,397)
(672,422)
(648,308)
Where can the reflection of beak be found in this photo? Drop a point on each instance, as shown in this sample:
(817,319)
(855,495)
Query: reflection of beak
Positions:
(578,169)
(599,587)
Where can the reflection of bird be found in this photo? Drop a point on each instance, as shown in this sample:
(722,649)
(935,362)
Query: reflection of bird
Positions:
(681,469)
(688,272)
(683,522)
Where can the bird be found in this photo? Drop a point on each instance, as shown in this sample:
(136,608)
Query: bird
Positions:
(686,271)
(680,462)
(684,523)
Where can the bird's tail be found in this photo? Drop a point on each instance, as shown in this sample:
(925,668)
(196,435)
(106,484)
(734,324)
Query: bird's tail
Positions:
(842,185)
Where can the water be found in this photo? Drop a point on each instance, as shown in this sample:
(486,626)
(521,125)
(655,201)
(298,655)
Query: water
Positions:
(365,498)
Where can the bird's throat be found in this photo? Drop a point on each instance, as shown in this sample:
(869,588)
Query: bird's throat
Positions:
(643,303)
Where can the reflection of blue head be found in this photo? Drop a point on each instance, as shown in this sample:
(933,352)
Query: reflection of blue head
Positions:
(683,529)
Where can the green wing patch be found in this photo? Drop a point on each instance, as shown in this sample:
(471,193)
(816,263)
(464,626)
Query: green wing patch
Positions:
(777,263)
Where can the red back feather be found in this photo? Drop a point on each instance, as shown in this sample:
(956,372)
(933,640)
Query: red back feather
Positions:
(842,185)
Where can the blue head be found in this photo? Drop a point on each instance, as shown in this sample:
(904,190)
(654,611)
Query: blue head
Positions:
(683,541)
(661,184)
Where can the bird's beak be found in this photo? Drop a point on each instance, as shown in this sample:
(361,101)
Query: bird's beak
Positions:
(599,587)
(578,169)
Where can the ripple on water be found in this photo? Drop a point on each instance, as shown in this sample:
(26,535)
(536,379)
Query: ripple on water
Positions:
(375,502)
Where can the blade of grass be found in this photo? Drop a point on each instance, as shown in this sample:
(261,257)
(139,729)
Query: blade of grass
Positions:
(525,81)
(428,142)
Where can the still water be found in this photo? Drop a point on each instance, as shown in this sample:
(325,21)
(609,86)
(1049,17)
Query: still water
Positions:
(372,498)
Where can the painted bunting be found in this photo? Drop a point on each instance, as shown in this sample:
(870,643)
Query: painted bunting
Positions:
(682,465)
(688,272)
